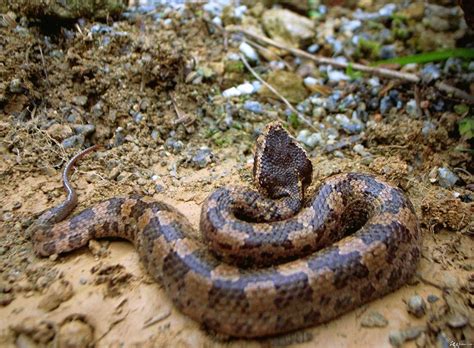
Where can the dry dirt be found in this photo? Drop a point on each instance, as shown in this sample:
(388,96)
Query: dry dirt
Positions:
(101,295)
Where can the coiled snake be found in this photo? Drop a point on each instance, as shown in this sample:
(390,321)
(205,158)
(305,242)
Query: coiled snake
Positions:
(270,261)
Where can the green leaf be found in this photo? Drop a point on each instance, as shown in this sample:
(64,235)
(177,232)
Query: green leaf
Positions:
(294,120)
(353,74)
(466,127)
(465,53)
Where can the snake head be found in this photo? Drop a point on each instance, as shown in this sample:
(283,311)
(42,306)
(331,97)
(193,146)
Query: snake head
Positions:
(281,166)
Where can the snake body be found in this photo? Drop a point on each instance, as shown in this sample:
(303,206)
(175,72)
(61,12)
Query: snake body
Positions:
(270,261)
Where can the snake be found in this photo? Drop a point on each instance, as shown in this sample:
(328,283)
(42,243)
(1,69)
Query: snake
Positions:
(266,261)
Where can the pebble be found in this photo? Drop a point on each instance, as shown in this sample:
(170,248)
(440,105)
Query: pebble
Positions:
(74,141)
(174,145)
(85,129)
(416,306)
(15,86)
(59,131)
(253,106)
(374,319)
(248,51)
(319,112)
(427,128)
(59,292)
(336,76)
(446,178)
(6,299)
(430,73)
(411,108)
(351,126)
(231,92)
(421,340)
(397,338)
(75,334)
(202,157)
(246,88)
(387,52)
(137,117)
(308,138)
(315,48)
(98,109)
(360,149)
(457,321)
(8,216)
(386,104)
(80,100)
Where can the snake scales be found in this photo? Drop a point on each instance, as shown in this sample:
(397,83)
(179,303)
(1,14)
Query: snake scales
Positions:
(277,264)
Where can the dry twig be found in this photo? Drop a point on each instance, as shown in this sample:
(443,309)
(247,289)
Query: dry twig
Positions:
(274,91)
(383,72)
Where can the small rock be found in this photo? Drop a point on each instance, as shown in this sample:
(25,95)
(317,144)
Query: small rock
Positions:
(430,73)
(253,106)
(15,86)
(74,141)
(374,319)
(416,306)
(75,334)
(336,76)
(315,48)
(288,27)
(421,340)
(231,92)
(174,145)
(413,332)
(246,88)
(85,129)
(360,149)
(427,128)
(59,131)
(411,108)
(59,292)
(319,112)
(308,138)
(80,100)
(446,178)
(457,321)
(248,51)
(432,298)
(386,104)
(289,84)
(25,341)
(8,216)
(396,338)
(352,126)
(202,158)
(6,299)
(98,109)
(387,52)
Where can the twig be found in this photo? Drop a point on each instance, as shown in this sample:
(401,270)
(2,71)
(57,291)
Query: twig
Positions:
(419,112)
(324,60)
(274,91)
(44,66)
(384,72)
(454,91)
(269,52)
